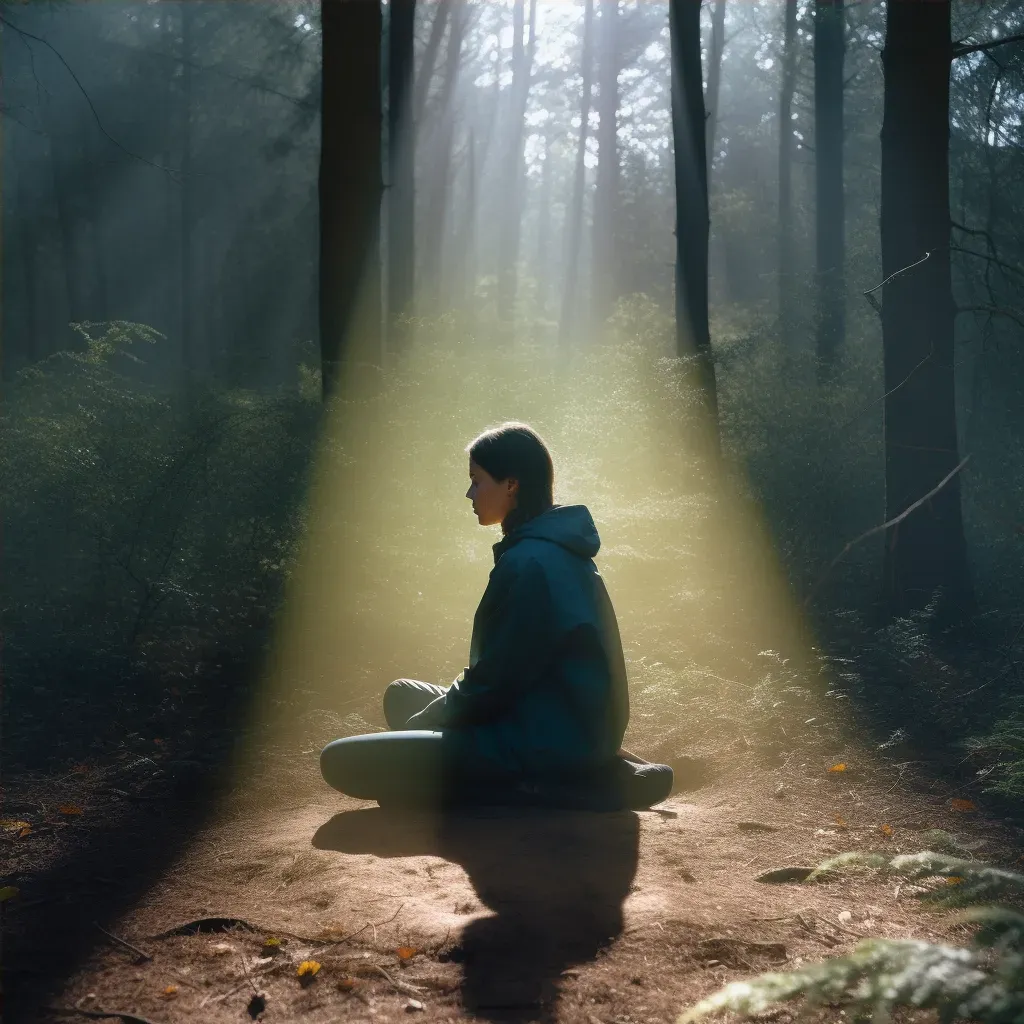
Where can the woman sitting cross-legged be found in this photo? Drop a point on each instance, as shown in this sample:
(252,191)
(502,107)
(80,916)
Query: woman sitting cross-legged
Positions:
(539,715)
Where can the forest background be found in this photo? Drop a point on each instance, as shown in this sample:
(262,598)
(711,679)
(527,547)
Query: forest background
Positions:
(164,307)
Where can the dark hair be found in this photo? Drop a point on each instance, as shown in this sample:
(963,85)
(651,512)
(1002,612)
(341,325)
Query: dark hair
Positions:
(516,450)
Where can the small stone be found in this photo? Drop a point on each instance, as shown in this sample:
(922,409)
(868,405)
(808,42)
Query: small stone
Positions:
(413,1005)
(845,916)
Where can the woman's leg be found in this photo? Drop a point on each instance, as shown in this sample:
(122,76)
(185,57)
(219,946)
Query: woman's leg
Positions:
(406,697)
(410,766)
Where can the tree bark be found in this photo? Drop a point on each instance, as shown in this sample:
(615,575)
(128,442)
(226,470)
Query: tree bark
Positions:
(430,55)
(350,186)
(604,290)
(829,50)
(401,163)
(785,227)
(714,75)
(693,335)
(926,551)
(574,219)
(511,231)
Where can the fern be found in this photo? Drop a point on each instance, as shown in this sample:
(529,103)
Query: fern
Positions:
(983,983)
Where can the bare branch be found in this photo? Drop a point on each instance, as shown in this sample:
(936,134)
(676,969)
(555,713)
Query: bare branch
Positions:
(88,99)
(1011,314)
(962,49)
(885,526)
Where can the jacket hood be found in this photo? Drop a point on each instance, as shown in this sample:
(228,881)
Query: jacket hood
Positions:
(570,526)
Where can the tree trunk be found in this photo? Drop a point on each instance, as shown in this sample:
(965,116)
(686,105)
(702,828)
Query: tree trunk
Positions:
(829,49)
(714,75)
(604,288)
(515,172)
(430,54)
(542,270)
(436,203)
(574,218)
(350,186)
(689,139)
(189,362)
(926,551)
(787,260)
(401,161)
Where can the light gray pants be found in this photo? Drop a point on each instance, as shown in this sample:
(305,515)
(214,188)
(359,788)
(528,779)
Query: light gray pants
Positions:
(419,767)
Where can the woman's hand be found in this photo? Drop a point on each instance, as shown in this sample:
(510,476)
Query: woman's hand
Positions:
(431,717)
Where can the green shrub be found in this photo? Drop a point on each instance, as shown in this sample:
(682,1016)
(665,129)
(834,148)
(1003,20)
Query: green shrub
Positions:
(983,982)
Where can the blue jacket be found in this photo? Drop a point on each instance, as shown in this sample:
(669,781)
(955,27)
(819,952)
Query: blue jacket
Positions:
(546,685)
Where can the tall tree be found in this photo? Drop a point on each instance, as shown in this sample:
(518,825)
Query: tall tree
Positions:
(189,353)
(604,290)
(350,184)
(401,163)
(926,550)
(693,334)
(443,139)
(829,51)
(574,218)
(715,51)
(522,74)
(786,265)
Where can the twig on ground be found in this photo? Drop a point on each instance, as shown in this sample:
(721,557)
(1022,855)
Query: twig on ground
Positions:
(401,986)
(123,942)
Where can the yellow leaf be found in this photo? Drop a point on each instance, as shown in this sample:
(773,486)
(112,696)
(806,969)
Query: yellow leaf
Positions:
(308,967)
(954,880)
(841,767)
(8,892)
(841,824)
(69,809)
(404,952)
(13,825)
(962,805)
(886,830)
(25,831)
(170,992)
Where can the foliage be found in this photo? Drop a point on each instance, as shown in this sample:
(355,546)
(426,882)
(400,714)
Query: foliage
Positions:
(1006,742)
(984,982)
(146,534)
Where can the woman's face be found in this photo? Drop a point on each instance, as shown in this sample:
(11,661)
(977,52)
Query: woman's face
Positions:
(492,499)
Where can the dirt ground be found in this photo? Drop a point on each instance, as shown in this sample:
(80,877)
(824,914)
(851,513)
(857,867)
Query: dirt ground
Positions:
(494,915)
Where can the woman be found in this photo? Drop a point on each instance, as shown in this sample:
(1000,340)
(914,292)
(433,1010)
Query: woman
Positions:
(539,715)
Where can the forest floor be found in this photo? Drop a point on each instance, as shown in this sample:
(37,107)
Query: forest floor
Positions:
(492,915)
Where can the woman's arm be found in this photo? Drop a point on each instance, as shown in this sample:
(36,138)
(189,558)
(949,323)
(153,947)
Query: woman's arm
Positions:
(517,651)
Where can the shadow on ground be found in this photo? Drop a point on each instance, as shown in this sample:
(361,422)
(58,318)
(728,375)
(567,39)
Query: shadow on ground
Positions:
(556,882)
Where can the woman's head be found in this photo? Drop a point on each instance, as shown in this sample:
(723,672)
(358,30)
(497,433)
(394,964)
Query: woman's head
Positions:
(511,476)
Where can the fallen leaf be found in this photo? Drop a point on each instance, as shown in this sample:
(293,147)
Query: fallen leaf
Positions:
(954,880)
(13,825)
(25,831)
(962,805)
(271,947)
(841,767)
(170,992)
(841,824)
(8,892)
(69,809)
(346,984)
(309,967)
(404,952)
(886,830)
